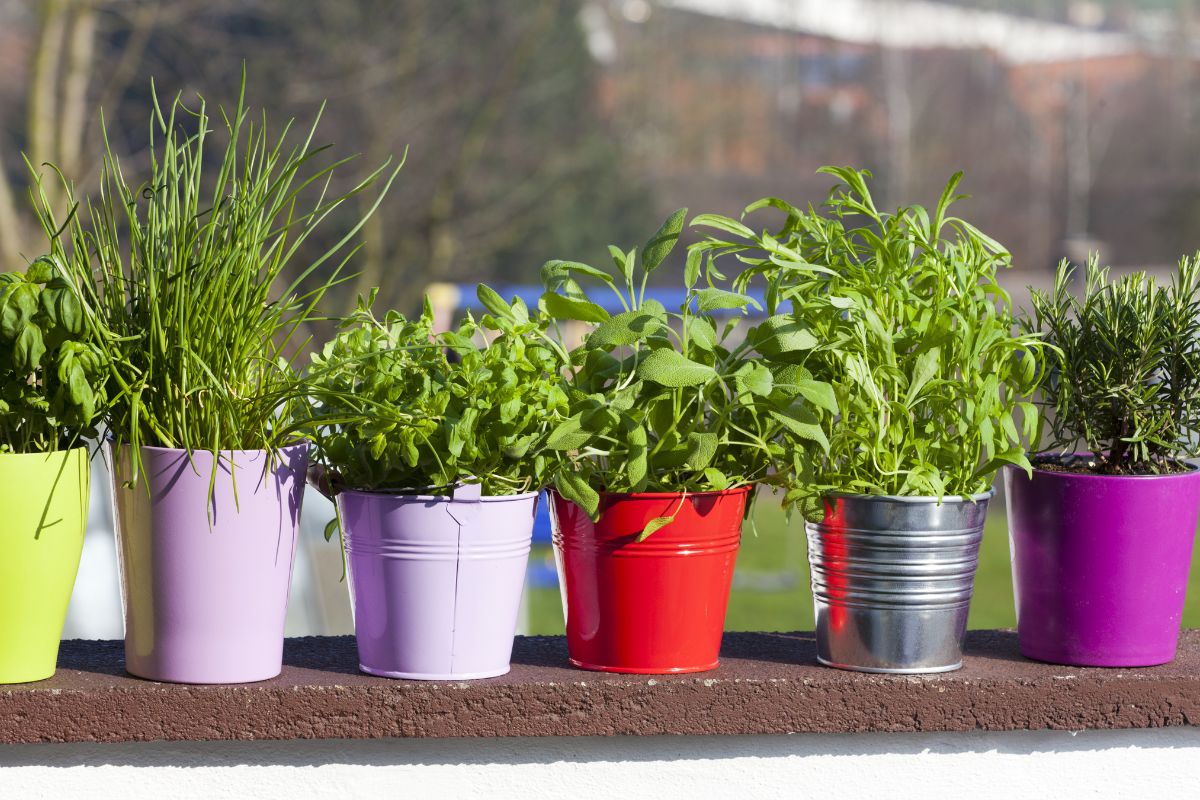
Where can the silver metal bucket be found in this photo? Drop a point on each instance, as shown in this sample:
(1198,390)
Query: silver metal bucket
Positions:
(892,580)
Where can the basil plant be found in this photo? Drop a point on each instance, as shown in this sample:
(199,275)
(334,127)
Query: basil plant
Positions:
(402,409)
(929,377)
(691,399)
(52,373)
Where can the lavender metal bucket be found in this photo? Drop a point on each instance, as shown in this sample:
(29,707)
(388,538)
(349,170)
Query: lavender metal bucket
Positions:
(205,576)
(1100,564)
(435,582)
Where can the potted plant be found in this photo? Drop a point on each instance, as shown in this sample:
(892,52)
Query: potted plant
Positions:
(674,417)
(929,380)
(431,446)
(1102,529)
(51,388)
(202,307)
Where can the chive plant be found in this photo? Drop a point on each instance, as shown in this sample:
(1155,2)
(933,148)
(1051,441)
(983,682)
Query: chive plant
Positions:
(200,278)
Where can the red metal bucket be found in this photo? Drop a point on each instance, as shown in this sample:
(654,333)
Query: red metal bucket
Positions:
(649,607)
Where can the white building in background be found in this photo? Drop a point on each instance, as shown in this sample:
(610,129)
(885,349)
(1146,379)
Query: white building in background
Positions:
(920,25)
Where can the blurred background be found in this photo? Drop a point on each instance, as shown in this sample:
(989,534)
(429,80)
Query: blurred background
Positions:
(539,129)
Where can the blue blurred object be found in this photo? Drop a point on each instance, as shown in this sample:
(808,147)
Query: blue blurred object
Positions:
(541,520)
(541,573)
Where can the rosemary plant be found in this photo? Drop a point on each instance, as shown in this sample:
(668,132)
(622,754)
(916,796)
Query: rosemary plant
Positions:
(200,282)
(1124,374)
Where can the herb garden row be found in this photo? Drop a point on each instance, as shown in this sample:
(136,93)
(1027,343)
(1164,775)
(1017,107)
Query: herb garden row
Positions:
(884,385)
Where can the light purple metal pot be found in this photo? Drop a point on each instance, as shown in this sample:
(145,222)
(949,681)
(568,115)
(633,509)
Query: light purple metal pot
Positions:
(205,577)
(435,582)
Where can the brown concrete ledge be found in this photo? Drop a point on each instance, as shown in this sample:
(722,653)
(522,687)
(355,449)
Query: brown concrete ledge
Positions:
(767,683)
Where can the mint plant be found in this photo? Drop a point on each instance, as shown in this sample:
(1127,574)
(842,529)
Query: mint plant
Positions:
(1124,371)
(930,381)
(677,401)
(401,409)
(52,373)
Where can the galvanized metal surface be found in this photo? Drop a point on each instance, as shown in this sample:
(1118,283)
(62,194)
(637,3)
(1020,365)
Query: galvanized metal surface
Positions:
(892,579)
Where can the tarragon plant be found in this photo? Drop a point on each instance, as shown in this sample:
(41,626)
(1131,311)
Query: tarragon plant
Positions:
(677,401)
(917,340)
(202,282)
(52,373)
(401,409)
(1124,374)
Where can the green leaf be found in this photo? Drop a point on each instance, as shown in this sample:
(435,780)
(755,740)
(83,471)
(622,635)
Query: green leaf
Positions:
(18,304)
(638,464)
(803,426)
(620,260)
(819,393)
(629,327)
(29,348)
(554,272)
(60,304)
(626,398)
(653,526)
(663,241)
(701,449)
(574,487)
(723,224)
(712,299)
(926,367)
(670,368)
(560,307)
(718,480)
(41,270)
(782,336)
(569,435)
(701,333)
(754,378)
(78,387)
(691,268)
(1013,455)
(493,302)
(378,446)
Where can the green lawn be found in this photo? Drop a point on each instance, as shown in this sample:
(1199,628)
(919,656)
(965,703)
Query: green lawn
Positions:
(771,588)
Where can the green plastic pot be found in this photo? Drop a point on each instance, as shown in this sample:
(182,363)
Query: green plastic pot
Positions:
(45,502)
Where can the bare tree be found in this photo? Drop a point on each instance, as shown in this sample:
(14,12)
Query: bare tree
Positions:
(509,160)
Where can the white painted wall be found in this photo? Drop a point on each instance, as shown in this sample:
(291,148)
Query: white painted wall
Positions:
(961,766)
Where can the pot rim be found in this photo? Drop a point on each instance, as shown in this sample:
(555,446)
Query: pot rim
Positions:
(914,499)
(1192,472)
(44,454)
(744,488)
(484,498)
(157,449)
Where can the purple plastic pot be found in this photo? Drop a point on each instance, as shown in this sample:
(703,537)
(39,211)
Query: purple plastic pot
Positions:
(205,577)
(435,582)
(1100,564)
